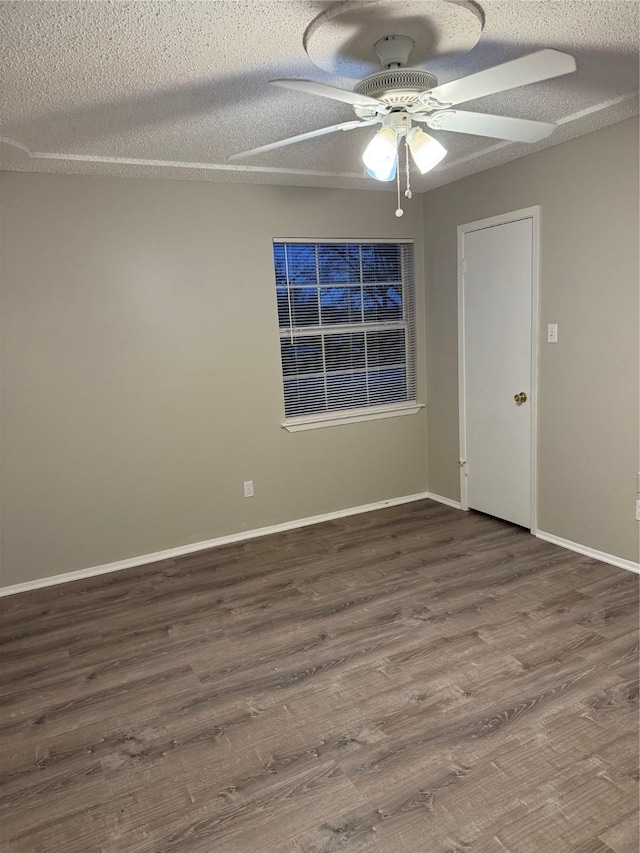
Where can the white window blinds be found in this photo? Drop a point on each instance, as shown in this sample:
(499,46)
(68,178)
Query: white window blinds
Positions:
(346,316)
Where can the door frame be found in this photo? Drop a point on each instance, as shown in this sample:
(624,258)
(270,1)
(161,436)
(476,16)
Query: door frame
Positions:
(534,214)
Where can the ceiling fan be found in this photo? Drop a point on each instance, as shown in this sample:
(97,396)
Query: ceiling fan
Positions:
(399,98)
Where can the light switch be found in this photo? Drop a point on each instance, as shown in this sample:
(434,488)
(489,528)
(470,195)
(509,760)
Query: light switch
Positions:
(552,333)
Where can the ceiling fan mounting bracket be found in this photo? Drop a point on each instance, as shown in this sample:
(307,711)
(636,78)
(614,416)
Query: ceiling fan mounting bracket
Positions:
(393,51)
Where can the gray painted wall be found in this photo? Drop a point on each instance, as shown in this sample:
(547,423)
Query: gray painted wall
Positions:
(588,382)
(140,359)
(141,369)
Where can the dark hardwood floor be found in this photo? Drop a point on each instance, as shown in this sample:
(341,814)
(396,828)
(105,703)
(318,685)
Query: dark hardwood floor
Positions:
(414,679)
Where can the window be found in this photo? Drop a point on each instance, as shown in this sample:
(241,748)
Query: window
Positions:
(346,318)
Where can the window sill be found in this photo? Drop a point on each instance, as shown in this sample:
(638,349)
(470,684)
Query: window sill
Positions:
(328,419)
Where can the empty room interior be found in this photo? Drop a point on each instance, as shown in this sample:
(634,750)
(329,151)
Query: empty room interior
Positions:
(320,472)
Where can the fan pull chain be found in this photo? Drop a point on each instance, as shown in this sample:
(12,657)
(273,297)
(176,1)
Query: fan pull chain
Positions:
(407,192)
(399,210)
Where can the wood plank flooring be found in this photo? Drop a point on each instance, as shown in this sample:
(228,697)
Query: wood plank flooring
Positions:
(413,680)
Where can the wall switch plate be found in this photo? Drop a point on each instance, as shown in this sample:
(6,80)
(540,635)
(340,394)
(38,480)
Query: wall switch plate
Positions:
(638,510)
(552,333)
(248,488)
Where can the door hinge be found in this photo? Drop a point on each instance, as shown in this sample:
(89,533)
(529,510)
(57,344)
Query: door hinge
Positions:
(464,267)
(463,464)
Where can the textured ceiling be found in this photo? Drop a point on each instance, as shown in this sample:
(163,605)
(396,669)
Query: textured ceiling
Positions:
(172,89)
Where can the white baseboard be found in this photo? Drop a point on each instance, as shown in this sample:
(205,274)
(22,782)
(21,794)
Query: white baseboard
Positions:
(590,552)
(182,550)
(442,500)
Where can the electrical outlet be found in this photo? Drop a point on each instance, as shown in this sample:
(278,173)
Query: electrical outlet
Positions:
(248,488)
(638,510)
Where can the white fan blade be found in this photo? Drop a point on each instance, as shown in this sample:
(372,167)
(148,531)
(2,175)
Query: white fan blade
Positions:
(542,65)
(333,92)
(345,125)
(481,124)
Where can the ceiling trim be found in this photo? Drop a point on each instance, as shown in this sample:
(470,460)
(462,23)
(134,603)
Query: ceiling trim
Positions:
(276,170)
(172,164)
(561,121)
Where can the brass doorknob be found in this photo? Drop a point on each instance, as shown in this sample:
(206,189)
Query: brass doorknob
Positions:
(520,398)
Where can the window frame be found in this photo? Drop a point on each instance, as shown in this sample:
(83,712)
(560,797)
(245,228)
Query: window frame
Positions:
(336,417)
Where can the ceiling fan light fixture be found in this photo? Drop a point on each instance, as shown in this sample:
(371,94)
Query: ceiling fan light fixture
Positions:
(426,151)
(381,154)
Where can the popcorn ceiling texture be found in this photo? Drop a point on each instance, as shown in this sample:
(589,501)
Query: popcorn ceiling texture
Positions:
(172,89)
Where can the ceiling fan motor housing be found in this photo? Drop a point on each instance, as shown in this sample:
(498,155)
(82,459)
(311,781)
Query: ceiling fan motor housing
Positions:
(397,87)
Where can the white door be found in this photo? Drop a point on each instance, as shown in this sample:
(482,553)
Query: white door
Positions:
(497,379)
